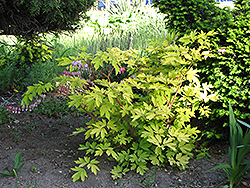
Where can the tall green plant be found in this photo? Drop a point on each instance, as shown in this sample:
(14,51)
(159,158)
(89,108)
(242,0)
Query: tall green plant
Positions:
(145,117)
(239,148)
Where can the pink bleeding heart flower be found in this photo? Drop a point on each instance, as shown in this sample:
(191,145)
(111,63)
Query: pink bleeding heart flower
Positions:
(66,73)
(78,73)
(43,96)
(74,63)
(221,51)
(63,90)
(15,110)
(177,77)
(122,69)
(33,105)
(79,63)
(85,66)
(9,108)
(206,52)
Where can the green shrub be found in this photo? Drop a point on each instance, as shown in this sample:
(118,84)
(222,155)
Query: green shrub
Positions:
(28,52)
(27,18)
(143,119)
(27,62)
(229,73)
(185,16)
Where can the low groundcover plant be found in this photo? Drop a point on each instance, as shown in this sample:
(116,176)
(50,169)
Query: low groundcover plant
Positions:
(143,118)
(16,169)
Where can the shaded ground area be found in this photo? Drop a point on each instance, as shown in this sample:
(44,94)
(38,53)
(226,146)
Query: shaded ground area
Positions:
(49,152)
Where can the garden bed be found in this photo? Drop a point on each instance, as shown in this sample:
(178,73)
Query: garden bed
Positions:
(49,152)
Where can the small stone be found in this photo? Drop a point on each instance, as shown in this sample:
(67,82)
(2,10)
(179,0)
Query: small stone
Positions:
(16,121)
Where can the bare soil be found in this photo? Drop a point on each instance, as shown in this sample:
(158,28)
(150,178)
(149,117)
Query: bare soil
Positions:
(49,152)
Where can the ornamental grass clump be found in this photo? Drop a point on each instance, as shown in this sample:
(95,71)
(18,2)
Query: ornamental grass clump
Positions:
(144,118)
